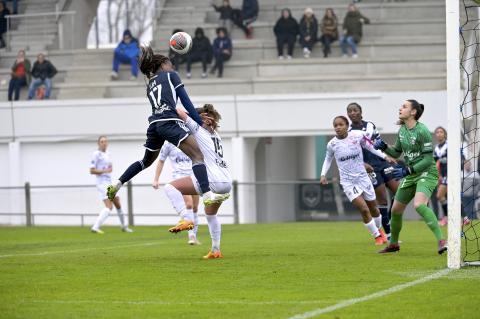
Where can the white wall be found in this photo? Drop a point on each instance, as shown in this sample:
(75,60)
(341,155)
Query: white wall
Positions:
(55,139)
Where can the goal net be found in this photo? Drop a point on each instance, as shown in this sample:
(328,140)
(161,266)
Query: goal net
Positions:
(469,16)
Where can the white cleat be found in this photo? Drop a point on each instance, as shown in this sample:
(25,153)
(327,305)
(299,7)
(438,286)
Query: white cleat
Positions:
(211,198)
(97,231)
(127,230)
(192,240)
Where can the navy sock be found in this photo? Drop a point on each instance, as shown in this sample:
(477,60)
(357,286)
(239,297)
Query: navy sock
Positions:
(445,209)
(385,218)
(131,171)
(200,172)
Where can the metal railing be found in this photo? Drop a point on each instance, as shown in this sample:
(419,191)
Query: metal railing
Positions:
(40,30)
(266,201)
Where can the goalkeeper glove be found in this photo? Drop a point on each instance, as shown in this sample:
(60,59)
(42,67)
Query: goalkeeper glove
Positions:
(400,172)
(379,144)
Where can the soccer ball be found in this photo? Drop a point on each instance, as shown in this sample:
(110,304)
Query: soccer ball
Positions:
(181,42)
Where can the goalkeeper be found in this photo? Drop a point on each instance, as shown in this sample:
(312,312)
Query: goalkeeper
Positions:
(420,175)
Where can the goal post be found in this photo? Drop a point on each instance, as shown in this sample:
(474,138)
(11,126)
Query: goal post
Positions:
(454,133)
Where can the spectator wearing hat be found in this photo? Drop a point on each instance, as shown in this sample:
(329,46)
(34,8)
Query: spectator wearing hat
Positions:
(308,32)
(126,52)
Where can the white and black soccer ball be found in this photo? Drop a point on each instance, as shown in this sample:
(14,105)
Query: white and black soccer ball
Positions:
(181,42)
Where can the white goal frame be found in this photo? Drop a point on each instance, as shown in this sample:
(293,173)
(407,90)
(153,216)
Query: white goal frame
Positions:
(454,133)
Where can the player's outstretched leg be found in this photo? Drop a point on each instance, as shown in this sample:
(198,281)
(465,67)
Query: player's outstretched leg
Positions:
(178,202)
(215,229)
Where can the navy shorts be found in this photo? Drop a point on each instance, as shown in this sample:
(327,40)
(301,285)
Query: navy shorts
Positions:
(158,132)
(381,176)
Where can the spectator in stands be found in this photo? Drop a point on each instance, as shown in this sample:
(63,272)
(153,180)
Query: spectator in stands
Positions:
(222,50)
(352,30)
(42,72)
(126,52)
(329,31)
(246,16)
(3,22)
(286,31)
(175,58)
(201,52)
(14,6)
(20,75)
(308,32)
(226,19)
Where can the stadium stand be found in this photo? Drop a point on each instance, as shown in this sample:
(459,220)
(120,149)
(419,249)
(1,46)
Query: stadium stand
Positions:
(387,48)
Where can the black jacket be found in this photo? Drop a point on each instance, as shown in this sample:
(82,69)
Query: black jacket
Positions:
(3,20)
(225,12)
(286,27)
(309,29)
(249,9)
(201,44)
(44,70)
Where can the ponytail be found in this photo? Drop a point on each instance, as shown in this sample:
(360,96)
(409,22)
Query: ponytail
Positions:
(149,62)
(418,107)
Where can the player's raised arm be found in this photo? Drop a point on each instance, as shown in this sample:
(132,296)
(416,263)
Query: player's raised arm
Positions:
(184,98)
(367,144)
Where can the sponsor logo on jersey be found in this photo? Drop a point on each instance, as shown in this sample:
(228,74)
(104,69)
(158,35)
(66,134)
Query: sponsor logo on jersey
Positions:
(162,108)
(349,157)
(412,155)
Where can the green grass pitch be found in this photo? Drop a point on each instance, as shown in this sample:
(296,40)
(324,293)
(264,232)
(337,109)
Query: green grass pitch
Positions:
(269,271)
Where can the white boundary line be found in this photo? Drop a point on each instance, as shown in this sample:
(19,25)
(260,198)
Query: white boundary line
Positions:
(44,253)
(379,294)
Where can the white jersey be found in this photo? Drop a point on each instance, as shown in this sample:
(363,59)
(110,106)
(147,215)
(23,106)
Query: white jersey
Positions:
(211,146)
(181,163)
(349,157)
(101,160)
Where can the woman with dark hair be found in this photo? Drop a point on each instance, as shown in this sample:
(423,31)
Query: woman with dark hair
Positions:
(163,90)
(286,31)
(379,170)
(210,144)
(201,52)
(222,51)
(308,32)
(440,157)
(329,31)
(21,76)
(419,176)
(346,147)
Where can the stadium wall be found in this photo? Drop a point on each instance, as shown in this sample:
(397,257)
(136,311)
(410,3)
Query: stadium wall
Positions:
(266,138)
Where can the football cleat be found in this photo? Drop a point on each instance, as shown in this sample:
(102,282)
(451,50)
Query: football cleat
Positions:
(213,255)
(192,240)
(127,230)
(97,231)
(442,246)
(379,240)
(391,248)
(384,236)
(211,198)
(111,192)
(182,225)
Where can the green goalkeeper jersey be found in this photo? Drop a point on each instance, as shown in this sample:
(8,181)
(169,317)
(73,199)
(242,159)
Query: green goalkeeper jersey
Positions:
(416,146)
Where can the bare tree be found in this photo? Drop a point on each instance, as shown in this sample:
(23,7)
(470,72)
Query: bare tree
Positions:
(140,17)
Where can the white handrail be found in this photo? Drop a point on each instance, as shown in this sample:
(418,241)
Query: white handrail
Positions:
(40,14)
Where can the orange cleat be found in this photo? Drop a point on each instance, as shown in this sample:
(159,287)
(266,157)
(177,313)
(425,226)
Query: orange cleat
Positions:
(213,255)
(379,240)
(181,226)
(384,236)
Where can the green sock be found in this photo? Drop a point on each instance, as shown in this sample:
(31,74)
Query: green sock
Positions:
(431,220)
(395,227)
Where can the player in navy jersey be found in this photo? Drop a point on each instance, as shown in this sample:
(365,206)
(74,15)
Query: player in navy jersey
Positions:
(379,170)
(440,157)
(163,90)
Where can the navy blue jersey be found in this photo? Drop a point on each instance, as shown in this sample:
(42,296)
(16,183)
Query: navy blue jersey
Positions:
(371,132)
(440,155)
(161,93)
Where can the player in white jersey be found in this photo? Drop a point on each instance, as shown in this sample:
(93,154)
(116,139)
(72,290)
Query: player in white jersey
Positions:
(346,147)
(181,166)
(220,180)
(101,166)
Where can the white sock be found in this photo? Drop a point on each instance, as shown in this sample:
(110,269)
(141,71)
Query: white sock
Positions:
(121,217)
(118,185)
(372,228)
(102,217)
(378,221)
(215,229)
(187,214)
(175,198)
(195,221)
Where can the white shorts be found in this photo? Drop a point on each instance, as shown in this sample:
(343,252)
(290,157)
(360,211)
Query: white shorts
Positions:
(362,186)
(179,175)
(102,190)
(216,187)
